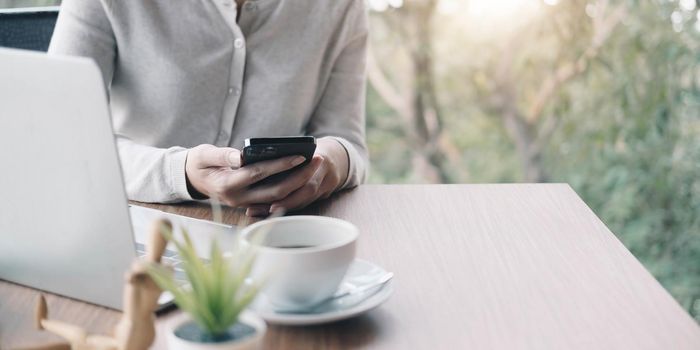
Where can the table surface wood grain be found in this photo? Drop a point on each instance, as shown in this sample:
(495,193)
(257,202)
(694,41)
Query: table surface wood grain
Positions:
(477,267)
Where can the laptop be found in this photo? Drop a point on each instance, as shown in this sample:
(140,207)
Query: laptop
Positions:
(65,222)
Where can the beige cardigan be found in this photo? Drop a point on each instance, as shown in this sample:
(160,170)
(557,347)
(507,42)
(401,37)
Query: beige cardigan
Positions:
(186,72)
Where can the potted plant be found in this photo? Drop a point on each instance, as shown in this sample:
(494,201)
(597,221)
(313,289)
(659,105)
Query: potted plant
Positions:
(214,299)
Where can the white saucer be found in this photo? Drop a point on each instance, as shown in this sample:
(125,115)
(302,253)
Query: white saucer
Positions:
(360,271)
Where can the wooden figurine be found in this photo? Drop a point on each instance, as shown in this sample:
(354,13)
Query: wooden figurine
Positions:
(135,330)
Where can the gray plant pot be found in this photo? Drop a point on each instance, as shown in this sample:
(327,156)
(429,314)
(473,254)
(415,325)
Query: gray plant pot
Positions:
(247,334)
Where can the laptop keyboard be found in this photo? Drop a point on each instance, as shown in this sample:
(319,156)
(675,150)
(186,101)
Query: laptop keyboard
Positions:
(170,257)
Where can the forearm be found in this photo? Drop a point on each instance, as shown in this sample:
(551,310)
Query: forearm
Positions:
(341,112)
(153,174)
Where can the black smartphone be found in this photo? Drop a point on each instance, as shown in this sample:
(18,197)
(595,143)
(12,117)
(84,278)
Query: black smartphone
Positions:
(267,148)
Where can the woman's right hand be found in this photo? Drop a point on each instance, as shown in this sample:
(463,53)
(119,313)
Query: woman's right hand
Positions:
(217,172)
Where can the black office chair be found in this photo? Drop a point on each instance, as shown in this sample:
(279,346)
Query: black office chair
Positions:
(27,28)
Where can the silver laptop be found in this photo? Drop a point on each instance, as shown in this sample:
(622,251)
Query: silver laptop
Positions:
(64,217)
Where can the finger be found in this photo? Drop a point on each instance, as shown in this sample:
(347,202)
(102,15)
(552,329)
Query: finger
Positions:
(250,174)
(258,210)
(279,190)
(301,197)
(212,156)
(297,200)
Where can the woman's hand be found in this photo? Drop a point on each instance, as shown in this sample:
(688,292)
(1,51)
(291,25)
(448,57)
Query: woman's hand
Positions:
(330,172)
(216,172)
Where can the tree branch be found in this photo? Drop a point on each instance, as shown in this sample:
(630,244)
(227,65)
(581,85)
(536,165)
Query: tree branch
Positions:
(602,28)
(383,87)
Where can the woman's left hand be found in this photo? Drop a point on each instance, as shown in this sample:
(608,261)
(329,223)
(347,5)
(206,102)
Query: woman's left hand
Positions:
(330,175)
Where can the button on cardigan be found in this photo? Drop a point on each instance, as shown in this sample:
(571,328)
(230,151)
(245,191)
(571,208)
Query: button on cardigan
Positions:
(180,73)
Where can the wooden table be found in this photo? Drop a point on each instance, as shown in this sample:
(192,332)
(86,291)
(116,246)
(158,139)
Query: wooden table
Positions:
(477,267)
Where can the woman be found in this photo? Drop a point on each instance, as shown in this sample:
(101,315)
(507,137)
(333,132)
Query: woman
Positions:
(190,80)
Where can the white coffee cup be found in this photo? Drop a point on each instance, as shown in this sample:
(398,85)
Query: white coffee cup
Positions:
(302,259)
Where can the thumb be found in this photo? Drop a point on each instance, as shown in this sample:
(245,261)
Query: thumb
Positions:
(211,156)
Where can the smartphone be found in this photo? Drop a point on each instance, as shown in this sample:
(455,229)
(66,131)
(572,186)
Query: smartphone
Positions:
(258,149)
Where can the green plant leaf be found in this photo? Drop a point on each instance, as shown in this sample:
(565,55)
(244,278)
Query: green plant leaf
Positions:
(217,291)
